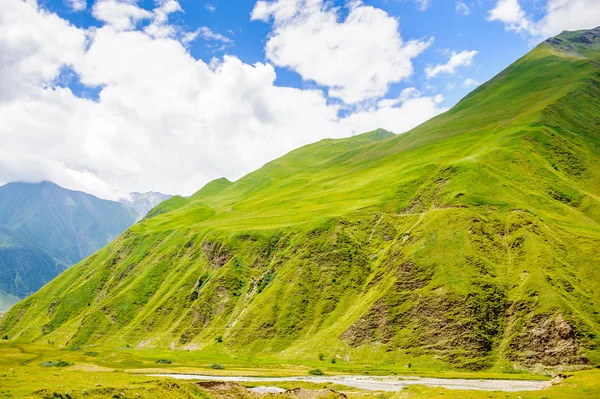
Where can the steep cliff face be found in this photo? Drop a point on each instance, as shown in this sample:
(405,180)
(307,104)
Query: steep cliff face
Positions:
(468,242)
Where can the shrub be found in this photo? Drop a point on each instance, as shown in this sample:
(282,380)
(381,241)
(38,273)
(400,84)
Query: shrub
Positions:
(164,361)
(219,339)
(217,366)
(5,337)
(60,363)
(316,372)
(333,360)
(321,356)
(91,353)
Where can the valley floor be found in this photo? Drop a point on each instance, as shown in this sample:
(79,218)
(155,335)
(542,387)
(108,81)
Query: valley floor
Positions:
(33,371)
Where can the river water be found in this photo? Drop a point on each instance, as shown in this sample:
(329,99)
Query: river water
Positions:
(371,383)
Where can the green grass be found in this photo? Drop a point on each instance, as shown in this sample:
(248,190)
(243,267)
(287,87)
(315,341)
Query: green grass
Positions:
(124,371)
(467,244)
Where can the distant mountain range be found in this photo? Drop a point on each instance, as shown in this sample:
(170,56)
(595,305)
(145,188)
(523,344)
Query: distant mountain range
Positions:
(143,202)
(45,228)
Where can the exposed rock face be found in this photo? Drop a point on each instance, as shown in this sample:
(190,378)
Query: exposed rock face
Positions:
(372,327)
(216,254)
(548,340)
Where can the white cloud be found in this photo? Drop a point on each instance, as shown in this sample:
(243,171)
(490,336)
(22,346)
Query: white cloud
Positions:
(558,15)
(423,5)
(34,45)
(160,26)
(398,115)
(209,34)
(464,58)
(210,7)
(462,8)
(511,14)
(77,5)
(120,14)
(429,87)
(469,82)
(569,15)
(356,58)
(163,120)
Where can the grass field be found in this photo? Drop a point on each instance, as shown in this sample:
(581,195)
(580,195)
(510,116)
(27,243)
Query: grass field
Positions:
(106,373)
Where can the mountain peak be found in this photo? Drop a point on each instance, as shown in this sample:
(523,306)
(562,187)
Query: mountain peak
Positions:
(377,134)
(144,202)
(580,42)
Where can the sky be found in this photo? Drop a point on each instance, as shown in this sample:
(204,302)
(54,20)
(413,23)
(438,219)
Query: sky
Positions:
(115,96)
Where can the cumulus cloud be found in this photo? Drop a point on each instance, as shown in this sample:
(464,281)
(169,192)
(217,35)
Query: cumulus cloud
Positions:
(569,15)
(34,45)
(558,15)
(77,5)
(511,14)
(464,58)
(120,14)
(398,115)
(160,23)
(356,58)
(462,8)
(163,120)
(469,82)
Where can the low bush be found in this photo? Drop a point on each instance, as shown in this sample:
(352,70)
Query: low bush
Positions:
(60,363)
(316,372)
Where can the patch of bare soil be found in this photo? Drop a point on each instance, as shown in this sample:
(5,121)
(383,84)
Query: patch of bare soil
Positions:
(233,390)
(216,254)
(548,340)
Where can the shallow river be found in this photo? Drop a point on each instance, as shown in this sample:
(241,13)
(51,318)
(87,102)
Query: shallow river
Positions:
(389,384)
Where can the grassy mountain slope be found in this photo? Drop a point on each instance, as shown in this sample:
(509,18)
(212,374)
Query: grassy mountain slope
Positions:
(45,228)
(471,241)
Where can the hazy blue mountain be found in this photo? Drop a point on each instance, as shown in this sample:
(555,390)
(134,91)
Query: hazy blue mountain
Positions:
(45,228)
(143,202)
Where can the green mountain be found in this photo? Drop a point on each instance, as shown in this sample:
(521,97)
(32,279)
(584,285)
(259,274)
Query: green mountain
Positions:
(45,228)
(472,241)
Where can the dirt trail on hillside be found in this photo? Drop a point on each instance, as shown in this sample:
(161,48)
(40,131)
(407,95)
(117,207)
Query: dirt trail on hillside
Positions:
(371,383)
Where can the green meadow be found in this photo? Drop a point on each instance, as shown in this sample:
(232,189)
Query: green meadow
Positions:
(25,372)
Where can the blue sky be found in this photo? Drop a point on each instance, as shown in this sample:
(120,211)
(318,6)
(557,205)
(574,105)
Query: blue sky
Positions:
(115,96)
(452,31)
